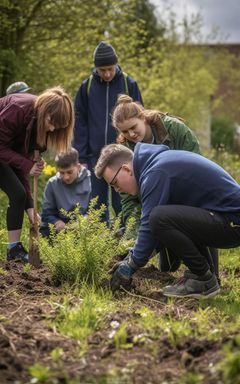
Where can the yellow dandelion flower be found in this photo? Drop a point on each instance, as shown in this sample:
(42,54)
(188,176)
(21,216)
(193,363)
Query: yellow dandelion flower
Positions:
(49,170)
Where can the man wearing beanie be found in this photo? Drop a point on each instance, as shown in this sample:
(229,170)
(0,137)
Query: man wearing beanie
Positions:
(94,103)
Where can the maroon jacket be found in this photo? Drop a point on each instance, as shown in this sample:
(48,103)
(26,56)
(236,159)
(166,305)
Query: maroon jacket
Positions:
(18,130)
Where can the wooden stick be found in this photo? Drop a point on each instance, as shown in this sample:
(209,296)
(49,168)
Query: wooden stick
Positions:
(34,254)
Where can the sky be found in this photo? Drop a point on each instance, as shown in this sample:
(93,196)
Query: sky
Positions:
(221,14)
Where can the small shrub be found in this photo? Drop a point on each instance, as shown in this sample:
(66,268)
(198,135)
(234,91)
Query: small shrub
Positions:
(82,252)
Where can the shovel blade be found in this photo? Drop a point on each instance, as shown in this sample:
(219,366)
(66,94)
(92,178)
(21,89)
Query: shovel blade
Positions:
(34,253)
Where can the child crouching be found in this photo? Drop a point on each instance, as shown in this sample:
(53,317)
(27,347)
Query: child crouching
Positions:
(70,186)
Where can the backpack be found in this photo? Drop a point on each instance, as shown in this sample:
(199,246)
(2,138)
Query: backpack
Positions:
(90,79)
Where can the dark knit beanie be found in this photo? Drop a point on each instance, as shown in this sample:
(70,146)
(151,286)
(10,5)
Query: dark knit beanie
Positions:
(104,55)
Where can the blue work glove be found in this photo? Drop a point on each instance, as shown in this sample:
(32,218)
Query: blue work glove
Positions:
(123,273)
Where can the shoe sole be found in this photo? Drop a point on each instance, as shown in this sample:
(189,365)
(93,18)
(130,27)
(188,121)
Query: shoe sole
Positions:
(18,259)
(194,295)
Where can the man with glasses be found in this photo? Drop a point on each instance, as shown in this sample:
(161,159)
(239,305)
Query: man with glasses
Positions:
(181,212)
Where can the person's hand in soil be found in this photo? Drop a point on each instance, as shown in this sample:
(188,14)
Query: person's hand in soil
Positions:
(116,261)
(119,233)
(122,273)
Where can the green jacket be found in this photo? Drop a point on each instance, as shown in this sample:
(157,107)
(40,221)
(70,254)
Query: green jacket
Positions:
(167,130)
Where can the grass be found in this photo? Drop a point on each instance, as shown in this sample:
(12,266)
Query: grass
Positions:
(81,320)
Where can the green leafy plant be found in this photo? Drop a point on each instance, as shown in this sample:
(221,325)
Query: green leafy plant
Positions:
(121,337)
(27,268)
(40,372)
(82,253)
(56,354)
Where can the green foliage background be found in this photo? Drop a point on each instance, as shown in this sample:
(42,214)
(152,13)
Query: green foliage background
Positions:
(46,43)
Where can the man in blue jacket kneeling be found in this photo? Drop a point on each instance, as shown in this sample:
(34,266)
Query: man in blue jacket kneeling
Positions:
(188,203)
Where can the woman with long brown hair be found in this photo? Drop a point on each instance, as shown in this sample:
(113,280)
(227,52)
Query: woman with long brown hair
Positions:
(28,123)
(134,124)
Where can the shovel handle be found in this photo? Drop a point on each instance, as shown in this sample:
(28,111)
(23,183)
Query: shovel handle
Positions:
(34,253)
(35,187)
(35,197)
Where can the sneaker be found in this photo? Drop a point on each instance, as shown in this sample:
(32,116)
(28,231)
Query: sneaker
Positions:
(17,253)
(191,286)
(167,262)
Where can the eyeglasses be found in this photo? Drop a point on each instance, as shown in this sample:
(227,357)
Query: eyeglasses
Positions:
(114,177)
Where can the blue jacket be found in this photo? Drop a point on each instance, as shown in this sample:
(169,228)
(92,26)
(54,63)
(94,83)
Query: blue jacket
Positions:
(93,127)
(179,177)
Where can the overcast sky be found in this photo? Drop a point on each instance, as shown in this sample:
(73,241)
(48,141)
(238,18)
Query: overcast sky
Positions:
(221,14)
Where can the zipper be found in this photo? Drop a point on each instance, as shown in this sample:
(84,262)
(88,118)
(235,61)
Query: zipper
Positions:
(107,108)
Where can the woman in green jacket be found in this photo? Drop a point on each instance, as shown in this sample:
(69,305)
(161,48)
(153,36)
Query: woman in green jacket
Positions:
(136,124)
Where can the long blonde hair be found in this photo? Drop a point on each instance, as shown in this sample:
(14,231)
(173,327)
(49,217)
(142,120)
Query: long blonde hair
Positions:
(56,104)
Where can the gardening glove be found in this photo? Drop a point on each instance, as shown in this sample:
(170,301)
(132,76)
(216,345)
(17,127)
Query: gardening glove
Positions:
(119,259)
(119,233)
(123,274)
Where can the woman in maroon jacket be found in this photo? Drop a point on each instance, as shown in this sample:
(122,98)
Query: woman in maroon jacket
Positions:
(29,122)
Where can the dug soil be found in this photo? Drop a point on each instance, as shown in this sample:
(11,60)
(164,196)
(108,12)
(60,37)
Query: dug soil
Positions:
(27,337)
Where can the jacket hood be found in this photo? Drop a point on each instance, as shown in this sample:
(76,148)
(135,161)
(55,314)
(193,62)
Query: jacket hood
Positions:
(81,176)
(117,74)
(144,158)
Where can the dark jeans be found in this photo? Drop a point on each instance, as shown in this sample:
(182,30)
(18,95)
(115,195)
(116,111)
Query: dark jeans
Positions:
(101,189)
(18,202)
(188,231)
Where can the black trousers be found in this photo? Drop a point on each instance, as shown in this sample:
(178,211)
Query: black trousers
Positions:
(18,201)
(188,231)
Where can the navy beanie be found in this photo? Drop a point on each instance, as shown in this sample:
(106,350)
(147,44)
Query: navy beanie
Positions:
(104,55)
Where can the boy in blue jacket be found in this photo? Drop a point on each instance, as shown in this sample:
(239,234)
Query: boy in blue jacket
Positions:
(188,203)
(94,102)
(69,187)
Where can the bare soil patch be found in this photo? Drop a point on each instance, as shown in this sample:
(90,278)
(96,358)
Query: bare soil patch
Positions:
(26,337)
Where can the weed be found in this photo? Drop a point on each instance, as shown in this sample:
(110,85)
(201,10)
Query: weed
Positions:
(82,320)
(230,365)
(3,239)
(2,271)
(27,268)
(174,329)
(121,337)
(56,354)
(40,372)
(191,378)
(208,321)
